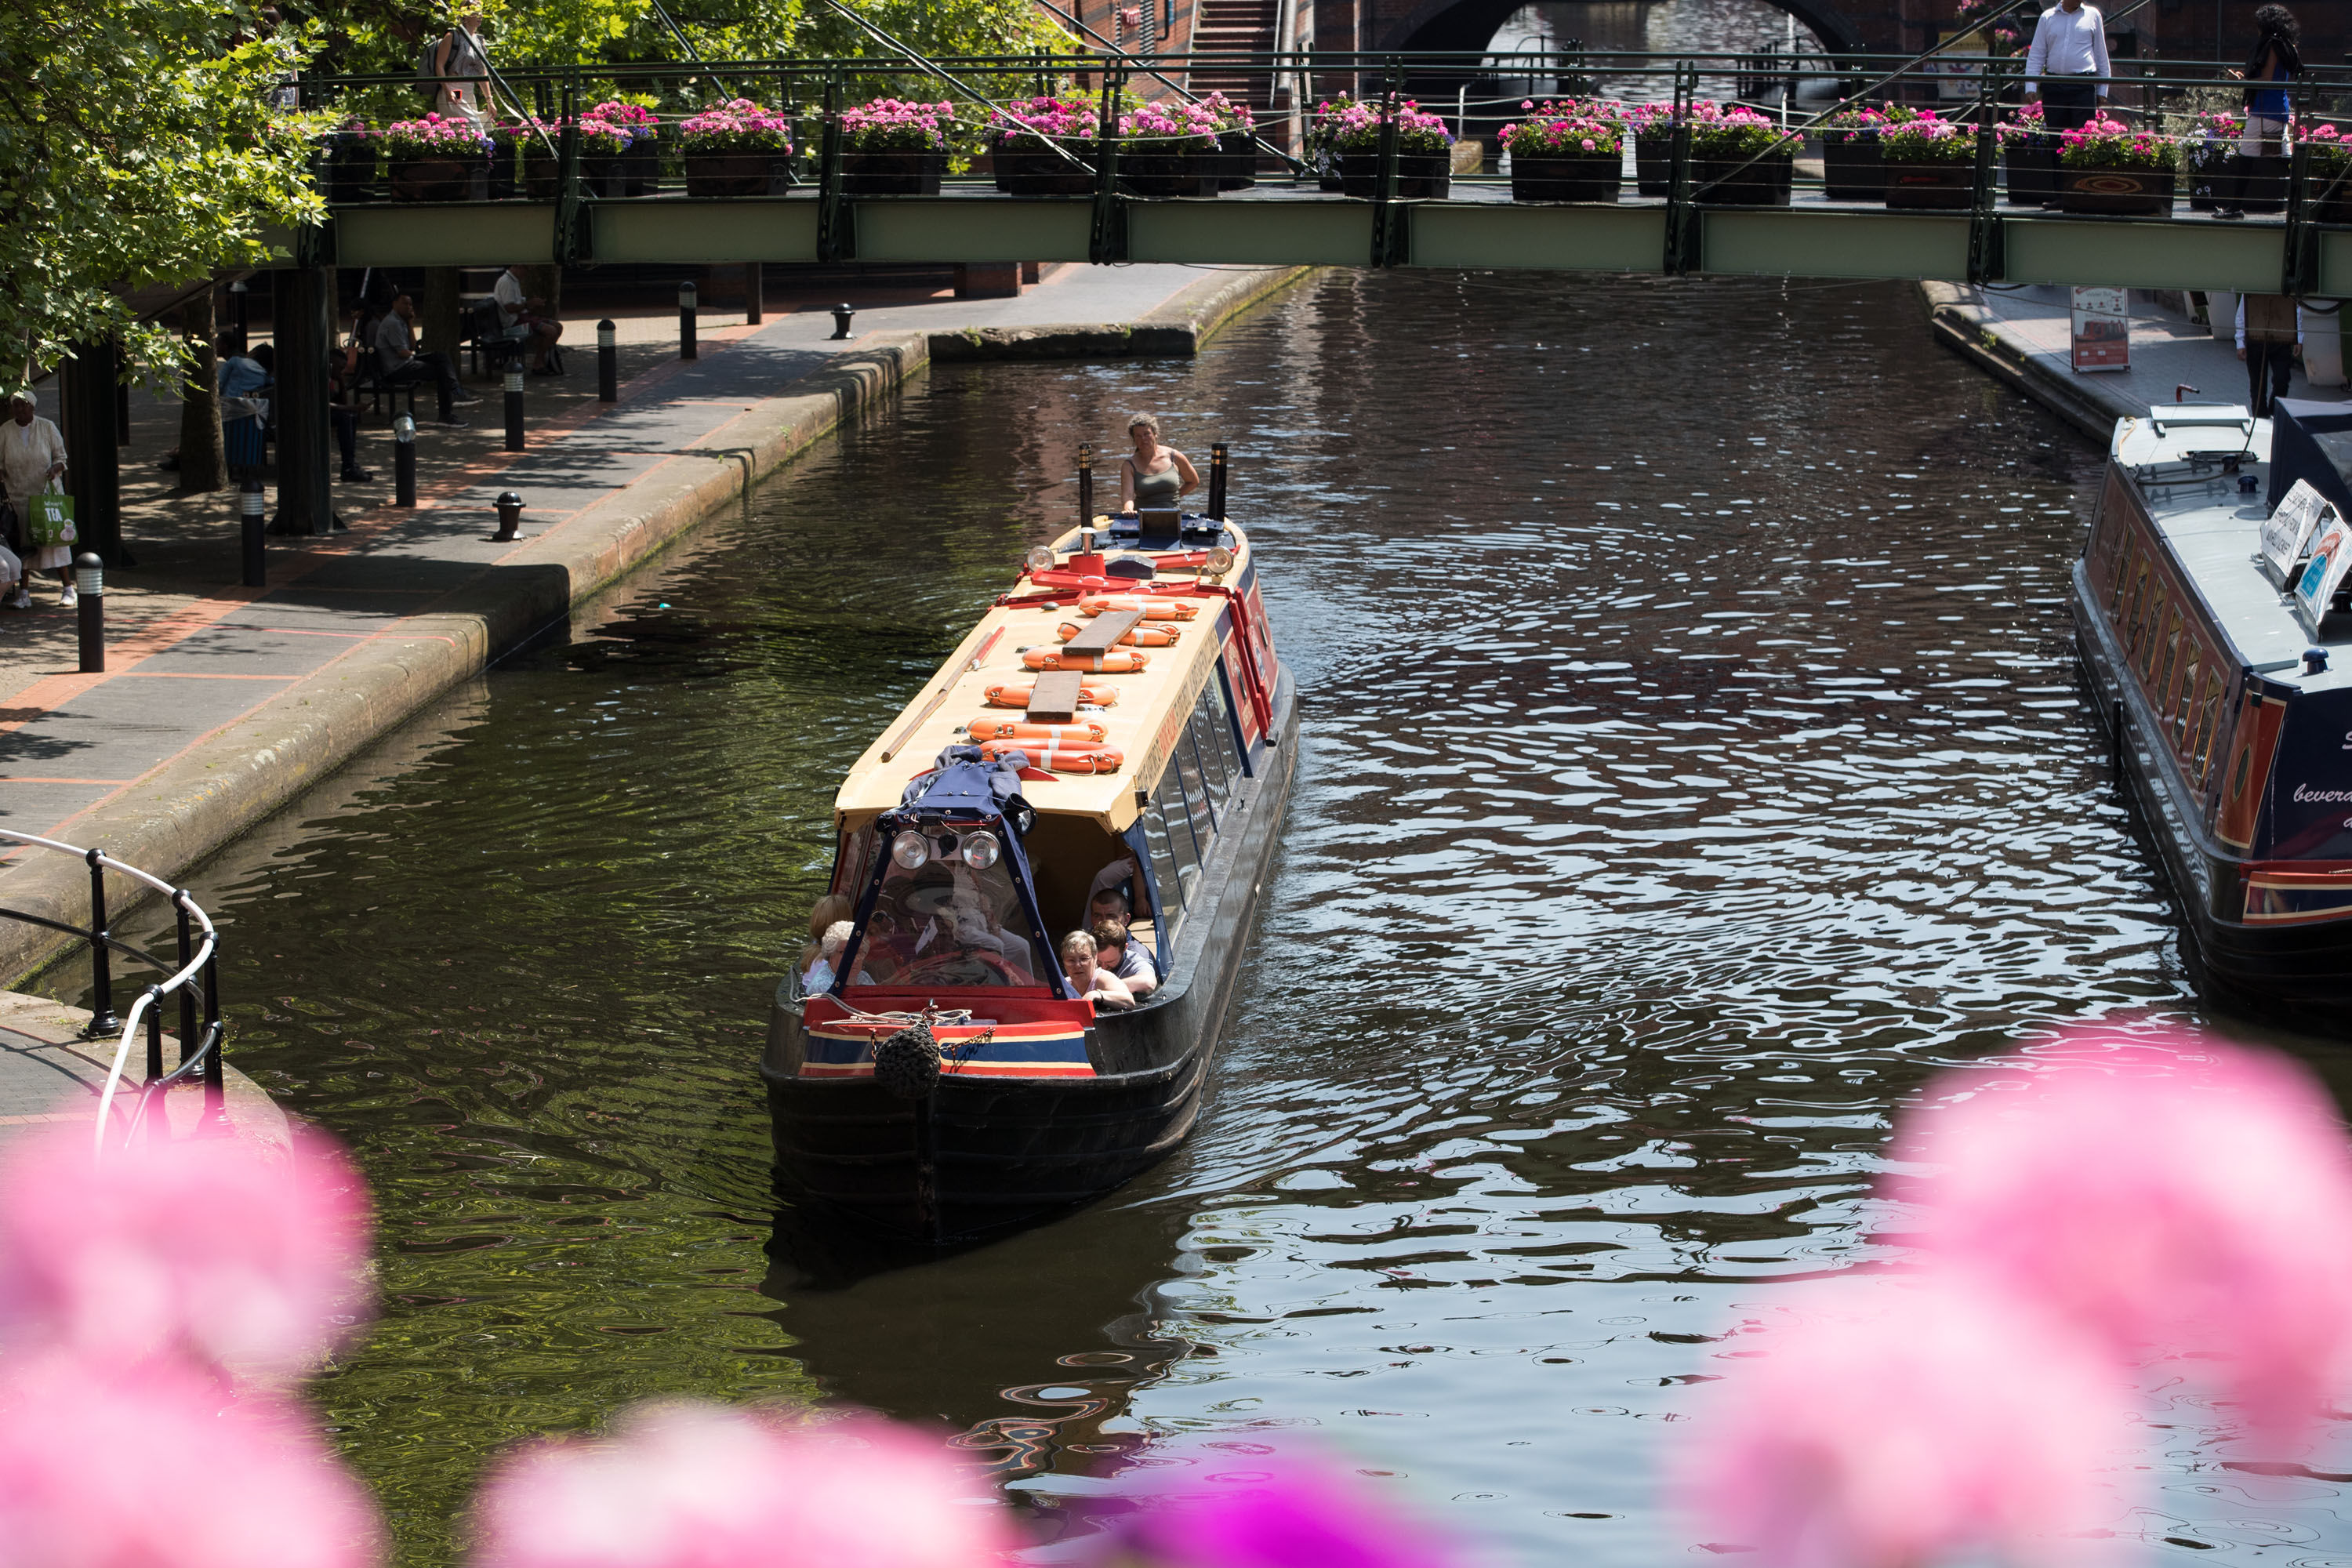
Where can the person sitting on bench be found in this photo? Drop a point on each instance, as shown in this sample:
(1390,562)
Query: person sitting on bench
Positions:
(395,349)
(523,319)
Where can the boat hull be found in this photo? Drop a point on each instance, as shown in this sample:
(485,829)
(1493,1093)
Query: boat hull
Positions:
(2300,972)
(979,1154)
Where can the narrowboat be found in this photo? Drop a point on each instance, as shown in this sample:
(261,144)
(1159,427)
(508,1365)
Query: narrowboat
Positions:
(2209,612)
(1117,723)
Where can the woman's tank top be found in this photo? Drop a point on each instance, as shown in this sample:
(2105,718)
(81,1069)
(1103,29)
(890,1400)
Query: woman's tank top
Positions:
(1157,492)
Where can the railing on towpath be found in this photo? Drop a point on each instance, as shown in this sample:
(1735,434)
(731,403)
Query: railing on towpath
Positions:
(192,977)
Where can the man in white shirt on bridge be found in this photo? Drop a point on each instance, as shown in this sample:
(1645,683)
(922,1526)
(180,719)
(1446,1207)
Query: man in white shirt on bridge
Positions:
(2067,65)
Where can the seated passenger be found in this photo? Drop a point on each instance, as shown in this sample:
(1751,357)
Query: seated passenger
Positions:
(821,973)
(1096,986)
(1124,957)
(822,914)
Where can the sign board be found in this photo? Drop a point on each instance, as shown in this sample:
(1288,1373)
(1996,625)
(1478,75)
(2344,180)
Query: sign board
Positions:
(2289,529)
(2330,559)
(2101,329)
(1956,79)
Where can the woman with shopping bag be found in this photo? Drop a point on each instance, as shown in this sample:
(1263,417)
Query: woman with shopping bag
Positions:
(33,465)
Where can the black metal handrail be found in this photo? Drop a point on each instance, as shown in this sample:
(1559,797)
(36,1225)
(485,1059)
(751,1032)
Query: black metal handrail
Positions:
(198,951)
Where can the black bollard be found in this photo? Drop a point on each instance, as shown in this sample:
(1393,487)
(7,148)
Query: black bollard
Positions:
(841,316)
(250,510)
(608,363)
(685,322)
(403,461)
(510,507)
(1217,480)
(755,293)
(89,594)
(238,315)
(1086,484)
(514,406)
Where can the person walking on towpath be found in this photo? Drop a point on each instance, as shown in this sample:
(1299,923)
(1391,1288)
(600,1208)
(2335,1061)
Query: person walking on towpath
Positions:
(32,459)
(2067,65)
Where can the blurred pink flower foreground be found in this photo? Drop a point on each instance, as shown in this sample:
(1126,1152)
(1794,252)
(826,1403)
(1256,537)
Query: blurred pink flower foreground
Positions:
(2096,1203)
(700,1486)
(206,1249)
(1291,1511)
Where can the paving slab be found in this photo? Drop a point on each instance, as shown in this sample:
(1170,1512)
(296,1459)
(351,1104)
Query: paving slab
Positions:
(49,1075)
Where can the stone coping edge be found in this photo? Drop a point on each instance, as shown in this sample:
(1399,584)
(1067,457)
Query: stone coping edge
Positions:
(1175,329)
(206,796)
(1977,335)
(251,1112)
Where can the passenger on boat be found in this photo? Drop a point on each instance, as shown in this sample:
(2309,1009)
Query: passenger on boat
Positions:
(822,914)
(821,973)
(933,925)
(1123,956)
(1154,477)
(1094,985)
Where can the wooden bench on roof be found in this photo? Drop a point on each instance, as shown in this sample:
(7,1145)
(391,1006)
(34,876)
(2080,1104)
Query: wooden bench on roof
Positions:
(1053,697)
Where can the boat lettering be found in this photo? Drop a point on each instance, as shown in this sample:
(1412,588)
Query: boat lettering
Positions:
(2305,793)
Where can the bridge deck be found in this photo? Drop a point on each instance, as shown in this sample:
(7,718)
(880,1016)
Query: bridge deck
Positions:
(1479,227)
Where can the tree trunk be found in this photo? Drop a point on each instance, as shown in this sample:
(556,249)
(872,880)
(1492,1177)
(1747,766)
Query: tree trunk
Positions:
(203,456)
(441,314)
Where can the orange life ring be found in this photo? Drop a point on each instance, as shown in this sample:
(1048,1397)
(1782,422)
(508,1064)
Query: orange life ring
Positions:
(986,730)
(1145,635)
(1116,661)
(1088,760)
(1015,694)
(1153,609)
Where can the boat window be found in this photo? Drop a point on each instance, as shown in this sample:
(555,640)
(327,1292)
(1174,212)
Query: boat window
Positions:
(853,863)
(2208,721)
(2161,692)
(2246,765)
(2138,604)
(1185,763)
(1213,766)
(1220,720)
(2152,645)
(944,924)
(1163,866)
(2125,561)
(1174,810)
(2184,703)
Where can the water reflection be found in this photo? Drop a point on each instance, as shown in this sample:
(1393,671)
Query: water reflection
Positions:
(1658,26)
(1692,765)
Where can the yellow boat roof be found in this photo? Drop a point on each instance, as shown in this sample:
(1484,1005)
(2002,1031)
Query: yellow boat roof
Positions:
(1153,705)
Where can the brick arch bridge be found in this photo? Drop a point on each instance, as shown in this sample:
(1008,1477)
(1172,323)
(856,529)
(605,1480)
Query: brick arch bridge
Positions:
(1862,27)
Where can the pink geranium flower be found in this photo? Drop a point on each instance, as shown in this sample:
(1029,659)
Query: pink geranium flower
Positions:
(155,1466)
(205,1250)
(1290,1511)
(700,1486)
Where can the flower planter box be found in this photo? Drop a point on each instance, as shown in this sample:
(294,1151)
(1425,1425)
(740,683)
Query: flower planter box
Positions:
(1653,165)
(892,173)
(738,174)
(1168,173)
(504,183)
(1934,186)
(1599,177)
(2261,182)
(2206,181)
(2029,172)
(346,173)
(641,167)
(1035,174)
(1238,161)
(2115,192)
(603,177)
(1421,177)
(1762,184)
(1852,170)
(434,179)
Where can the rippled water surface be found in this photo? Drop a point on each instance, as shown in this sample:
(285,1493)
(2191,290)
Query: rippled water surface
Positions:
(1693,762)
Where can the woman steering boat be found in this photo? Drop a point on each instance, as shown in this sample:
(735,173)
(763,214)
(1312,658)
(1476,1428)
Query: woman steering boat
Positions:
(1117,720)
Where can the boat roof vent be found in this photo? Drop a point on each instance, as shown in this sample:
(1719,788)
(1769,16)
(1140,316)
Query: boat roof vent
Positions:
(2186,415)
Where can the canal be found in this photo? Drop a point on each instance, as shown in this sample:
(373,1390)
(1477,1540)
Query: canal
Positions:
(1693,764)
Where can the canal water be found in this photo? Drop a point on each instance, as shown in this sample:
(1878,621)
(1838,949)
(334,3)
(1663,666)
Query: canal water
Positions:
(1692,765)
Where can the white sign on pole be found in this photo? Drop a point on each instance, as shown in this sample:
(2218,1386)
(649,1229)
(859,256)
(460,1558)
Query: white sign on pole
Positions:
(2289,529)
(2330,559)
(2102,322)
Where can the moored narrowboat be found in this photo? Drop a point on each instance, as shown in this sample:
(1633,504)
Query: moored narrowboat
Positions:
(1116,731)
(2210,610)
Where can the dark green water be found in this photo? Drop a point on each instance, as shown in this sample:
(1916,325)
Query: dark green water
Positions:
(1693,764)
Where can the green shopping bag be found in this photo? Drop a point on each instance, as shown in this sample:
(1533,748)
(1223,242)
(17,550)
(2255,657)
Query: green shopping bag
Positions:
(52,521)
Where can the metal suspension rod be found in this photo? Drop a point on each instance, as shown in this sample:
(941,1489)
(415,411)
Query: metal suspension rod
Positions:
(924,62)
(687,45)
(1126,59)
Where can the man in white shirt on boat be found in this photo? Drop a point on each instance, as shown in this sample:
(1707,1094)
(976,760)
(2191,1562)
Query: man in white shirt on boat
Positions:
(2068,64)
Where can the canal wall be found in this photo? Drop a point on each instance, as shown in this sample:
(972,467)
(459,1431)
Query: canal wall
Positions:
(1178,327)
(241,699)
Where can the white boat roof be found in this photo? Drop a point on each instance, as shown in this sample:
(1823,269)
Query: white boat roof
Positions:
(2215,532)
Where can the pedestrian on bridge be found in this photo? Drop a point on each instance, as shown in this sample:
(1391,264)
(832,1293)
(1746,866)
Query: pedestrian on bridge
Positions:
(2067,65)
(2277,59)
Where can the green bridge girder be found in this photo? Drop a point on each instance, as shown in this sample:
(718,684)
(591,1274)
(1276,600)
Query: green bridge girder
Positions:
(1807,240)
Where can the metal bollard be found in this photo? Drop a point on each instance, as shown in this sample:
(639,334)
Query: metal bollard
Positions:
(514,407)
(685,322)
(89,594)
(1217,480)
(250,509)
(842,315)
(239,296)
(608,363)
(403,461)
(510,507)
(755,293)
(1086,484)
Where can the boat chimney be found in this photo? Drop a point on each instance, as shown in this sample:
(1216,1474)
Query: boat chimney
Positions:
(2314,661)
(1217,480)
(1086,484)
(2179,387)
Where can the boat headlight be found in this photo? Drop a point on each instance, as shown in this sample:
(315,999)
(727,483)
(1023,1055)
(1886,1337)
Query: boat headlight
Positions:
(980,850)
(911,850)
(1041,558)
(1219,562)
